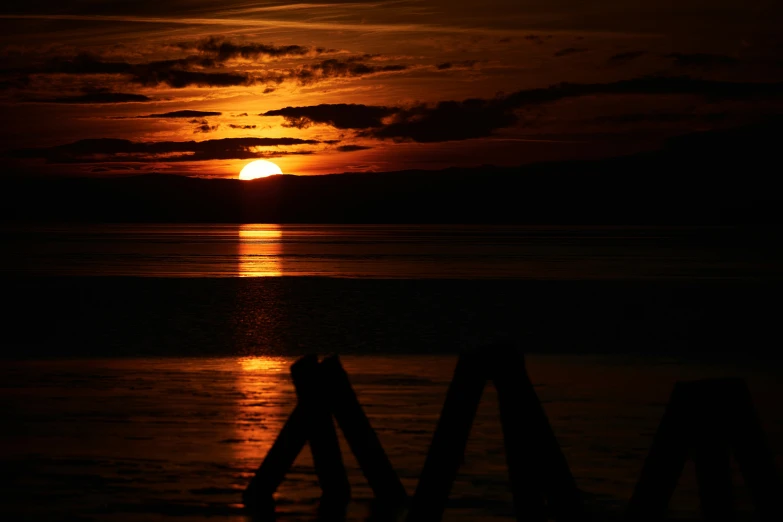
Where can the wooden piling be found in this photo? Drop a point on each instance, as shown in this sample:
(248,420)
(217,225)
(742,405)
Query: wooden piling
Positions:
(537,468)
(704,420)
(709,414)
(359,434)
(707,420)
(258,497)
(755,459)
(321,435)
(451,436)
(664,463)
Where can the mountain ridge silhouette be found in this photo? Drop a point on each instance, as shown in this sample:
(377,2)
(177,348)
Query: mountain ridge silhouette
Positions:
(711,178)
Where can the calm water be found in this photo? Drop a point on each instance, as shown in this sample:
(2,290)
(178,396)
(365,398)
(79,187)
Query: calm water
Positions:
(381,251)
(148,439)
(154,390)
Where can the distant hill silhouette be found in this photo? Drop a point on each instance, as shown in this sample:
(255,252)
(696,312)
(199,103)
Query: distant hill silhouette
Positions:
(717,177)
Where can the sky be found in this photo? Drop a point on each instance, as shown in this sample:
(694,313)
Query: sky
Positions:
(202,87)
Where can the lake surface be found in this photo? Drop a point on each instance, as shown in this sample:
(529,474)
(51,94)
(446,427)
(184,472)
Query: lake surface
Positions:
(383,251)
(156,438)
(144,372)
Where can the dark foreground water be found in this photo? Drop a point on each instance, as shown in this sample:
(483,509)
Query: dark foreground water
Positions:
(145,367)
(155,438)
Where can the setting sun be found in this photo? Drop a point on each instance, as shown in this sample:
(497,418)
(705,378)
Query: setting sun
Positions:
(259,169)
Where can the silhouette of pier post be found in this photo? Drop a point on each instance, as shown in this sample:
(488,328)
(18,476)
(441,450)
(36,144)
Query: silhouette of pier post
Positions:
(541,481)
(705,420)
(754,456)
(664,463)
(451,437)
(258,496)
(709,448)
(309,421)
(324,446)
(323,390)
(360,435)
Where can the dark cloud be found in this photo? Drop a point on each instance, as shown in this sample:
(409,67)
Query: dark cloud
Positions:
(242,126)
(701,59)
(333,68)
(200,70)
(177,73)
(97,98)
(654,85)
(182,114)
(569,50)
(82,63)
(662,117)
(448,120)
(204,126)
(476,118)
(352,148)
(116,167)
(536,39)
(240,115)
(465,64)
(109,149)
(223,50)
(341,115)
(152,77)
(625,57)
(18,82)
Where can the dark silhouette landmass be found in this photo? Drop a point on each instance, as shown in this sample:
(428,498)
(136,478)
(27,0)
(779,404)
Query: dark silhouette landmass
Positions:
(711,178)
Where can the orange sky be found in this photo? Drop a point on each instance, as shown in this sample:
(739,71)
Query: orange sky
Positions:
(371,86)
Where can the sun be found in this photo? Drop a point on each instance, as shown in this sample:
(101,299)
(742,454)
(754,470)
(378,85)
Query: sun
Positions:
(259,169)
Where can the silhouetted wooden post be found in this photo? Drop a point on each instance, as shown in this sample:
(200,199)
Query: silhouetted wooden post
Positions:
(712,462)
(537,468)
(664,463)
(753,455)
(448,443)
(324,446)
(309,420)
(258,496)
(359,434)
(705,433)
(706,419)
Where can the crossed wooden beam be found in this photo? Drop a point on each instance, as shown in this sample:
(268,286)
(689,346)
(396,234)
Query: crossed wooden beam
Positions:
(323,390)
(704,421)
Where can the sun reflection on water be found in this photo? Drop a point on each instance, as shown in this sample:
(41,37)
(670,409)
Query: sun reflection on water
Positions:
(266,398)
(259,250)
(264,364)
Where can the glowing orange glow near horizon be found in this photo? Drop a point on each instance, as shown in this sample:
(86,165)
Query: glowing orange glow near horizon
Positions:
(259,169)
